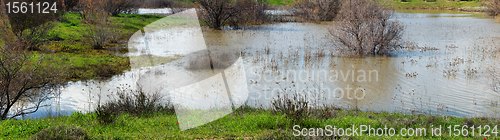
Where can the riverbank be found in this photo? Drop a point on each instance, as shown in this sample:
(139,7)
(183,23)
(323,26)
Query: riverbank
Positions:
(467,6)
(242,124)
(69,46)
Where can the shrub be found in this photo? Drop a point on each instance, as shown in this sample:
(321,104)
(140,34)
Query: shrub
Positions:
(295,107)
(317,10)
(94,13)
(364,27)
(62,133)
(493,7)
(71,5)
(218,13)
(133,102)
(26,83)
(251,12)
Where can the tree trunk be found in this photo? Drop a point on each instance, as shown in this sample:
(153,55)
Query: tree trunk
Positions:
(7,36)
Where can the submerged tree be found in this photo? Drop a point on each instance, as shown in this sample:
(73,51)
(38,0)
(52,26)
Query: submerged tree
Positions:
(317,10)
(218,13)
(493,7)
(365,27)
(25,83)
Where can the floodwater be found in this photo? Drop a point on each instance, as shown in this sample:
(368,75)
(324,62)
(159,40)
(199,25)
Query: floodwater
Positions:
(450,68)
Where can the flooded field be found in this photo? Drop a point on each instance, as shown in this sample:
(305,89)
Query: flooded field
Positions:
(449,66)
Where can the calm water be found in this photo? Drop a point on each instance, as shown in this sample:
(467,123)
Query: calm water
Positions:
(452,69)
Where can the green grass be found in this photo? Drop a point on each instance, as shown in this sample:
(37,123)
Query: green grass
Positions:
(248,123)
(439,4)
(411,4)
(280,2)
(71,47)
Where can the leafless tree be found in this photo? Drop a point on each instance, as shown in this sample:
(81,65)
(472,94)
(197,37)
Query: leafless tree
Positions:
(218,13)
(96,16)
(24,83)
(364,27)
(493,7)
(250,12)
(317,10)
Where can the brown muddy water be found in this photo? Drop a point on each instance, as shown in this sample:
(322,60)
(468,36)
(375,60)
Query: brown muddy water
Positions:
(450,67)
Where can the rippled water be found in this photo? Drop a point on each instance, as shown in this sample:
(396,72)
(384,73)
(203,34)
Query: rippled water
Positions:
(452,69)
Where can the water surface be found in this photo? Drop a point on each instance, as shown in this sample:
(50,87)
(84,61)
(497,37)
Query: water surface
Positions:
(452,68)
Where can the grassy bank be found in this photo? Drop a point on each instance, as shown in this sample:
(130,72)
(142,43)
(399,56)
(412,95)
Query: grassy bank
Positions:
(243,124)
(69,45)
(437,5)
(411,4)
(280,2)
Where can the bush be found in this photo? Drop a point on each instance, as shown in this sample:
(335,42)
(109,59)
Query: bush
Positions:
(62,133)
(219,13)
(364,27)
(295,107)
(493,7)
(133,102)
(317,10)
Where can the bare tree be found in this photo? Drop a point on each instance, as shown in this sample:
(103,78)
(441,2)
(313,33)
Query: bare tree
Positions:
(218,13)
(96,16)
(24,83)
(250,12)
(364,27)
(317,10)
(493,7)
